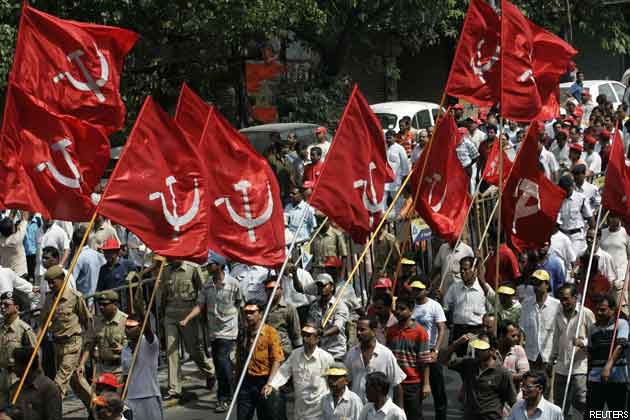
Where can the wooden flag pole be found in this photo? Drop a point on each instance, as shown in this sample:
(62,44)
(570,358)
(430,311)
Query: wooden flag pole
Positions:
(44,327)
(144,325)
(500,158)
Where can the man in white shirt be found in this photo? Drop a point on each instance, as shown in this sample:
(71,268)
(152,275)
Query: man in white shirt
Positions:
(534,405)
(380,406)
(446,264)
(549,162)
(12,253)
(590,191)
(575,213)
(56,237)
(295,211)
(11,282)
(615,241)
(538,315)
(252,280)
(465,302)
(379,359)
(605,264)
(560,149)
(307,366)
(561,246)
(565,328)
(321,133)
(593,159)
(340,403)
(398,161)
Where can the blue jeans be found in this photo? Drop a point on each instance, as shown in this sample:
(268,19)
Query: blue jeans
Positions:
(224,368)
(250,401)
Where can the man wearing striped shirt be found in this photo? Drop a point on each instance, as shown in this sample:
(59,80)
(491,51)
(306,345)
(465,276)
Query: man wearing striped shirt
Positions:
(409,342)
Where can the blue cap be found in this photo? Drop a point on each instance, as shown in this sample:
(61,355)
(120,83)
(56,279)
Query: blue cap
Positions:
(214,258)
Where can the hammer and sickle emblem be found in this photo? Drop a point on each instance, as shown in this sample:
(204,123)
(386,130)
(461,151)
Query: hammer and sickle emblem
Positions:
(433,181)
(90,84)
(61,146)
(529,189)
(371,204)
(481,66)
(248,222)
(173,218)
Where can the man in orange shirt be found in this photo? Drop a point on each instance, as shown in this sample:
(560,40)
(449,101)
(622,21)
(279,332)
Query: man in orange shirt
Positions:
(256,395)
(405,136)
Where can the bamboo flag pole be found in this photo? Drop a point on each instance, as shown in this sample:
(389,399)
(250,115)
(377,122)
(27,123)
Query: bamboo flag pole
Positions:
(53,308)
(144,326)
(308,244)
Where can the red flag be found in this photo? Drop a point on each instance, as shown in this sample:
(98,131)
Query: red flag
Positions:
(531,67)
(55,160)
(474,74)
(616,194)
(351,187)
(491,171)
(191,113)
(444,199)
(159,189)
(245,206)
(73,67)
(530,202)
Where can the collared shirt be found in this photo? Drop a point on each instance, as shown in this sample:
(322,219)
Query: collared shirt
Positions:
(14,335)
(284,318)
(308,380)
(268,350)
(12,254)
(108,335)
(606,266)
(593,162)
(468,304)
(409,344)
(334,344)
(466,152)
(544,411)
(430,314)
(328,244)
(549,163)
(294,297)
(513,313)
(40,398)
(382,360)
(448,262)
(87,270)
(560,245)
(71,317)
(348,407)
(389,411)
(33,235)
(114,276)
(564,334)
(293,216)
(561,154)
(251,279)
(617,244)
(222,305)
(591,192)
(516,360)
(485,391)
(10,281)
(574,210)
(57,237)
(537,322)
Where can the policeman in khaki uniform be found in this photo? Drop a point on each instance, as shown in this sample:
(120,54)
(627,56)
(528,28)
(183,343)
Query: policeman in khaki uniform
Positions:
(106,339)
(14,333)
(70,320)
(179,288)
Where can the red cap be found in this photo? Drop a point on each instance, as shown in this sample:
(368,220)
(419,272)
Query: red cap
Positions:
(576,146)
(333,262)
(110,244)
(319,130)
(309,184)
(569,120)
(383,283)
(458,106)
(590,139)
(605,134)
(108,379)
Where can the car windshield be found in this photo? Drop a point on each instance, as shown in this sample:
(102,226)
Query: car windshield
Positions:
(388,121)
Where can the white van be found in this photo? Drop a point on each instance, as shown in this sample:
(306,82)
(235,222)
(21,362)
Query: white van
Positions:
(422,114)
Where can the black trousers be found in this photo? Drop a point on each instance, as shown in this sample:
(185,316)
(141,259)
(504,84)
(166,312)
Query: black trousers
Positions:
(412,400)
(438,390)
(250,401)
(612,394)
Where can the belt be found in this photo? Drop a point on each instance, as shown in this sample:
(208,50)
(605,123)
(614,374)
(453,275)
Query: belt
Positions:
(65,339)
(571,231)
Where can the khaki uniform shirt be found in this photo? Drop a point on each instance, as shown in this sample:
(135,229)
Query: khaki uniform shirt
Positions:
(385,246)
(108,335)
(14,335)
(180,286)
(72,316)
(329,244)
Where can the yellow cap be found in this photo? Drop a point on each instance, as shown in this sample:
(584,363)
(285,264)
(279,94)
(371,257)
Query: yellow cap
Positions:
(417,285)
(407,261)
(336,371)
(479,344)
(542,275)
(506,290)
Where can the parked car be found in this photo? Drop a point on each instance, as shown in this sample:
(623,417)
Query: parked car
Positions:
(260,135)
(613,90)
(422,114)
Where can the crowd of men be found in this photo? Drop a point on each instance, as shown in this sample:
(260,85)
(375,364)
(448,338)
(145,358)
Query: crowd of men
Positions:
(521,341)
